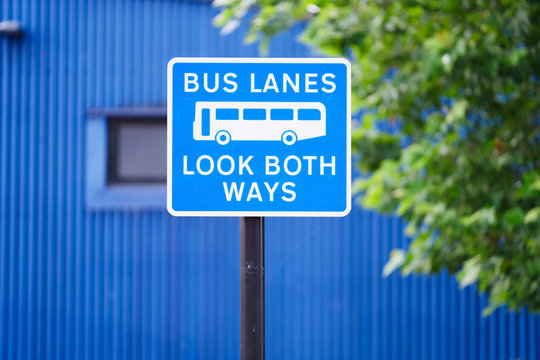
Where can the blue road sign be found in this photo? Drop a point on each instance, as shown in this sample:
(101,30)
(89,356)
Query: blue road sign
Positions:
(258,137)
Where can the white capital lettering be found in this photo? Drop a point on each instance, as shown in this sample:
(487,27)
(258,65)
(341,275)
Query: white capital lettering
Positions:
(272,162)
(309,82)
(298,165)
(216,83)
(186,171)
(210,168)
(233,190)
(230,82)
(294,86)
(329,83)
(286,190)
(254,192)
(220,169)
(310,160)
(271,190)
(270,84)
(244,164)
(190,78)
(331,164)
(253,89)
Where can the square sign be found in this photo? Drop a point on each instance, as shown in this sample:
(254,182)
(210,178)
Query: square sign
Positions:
(258,137)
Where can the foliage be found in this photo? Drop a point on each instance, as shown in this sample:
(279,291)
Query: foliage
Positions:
(451,140)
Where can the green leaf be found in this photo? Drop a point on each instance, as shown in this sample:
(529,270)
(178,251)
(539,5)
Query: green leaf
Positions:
(457,112)
(471,269)
(514,216)
(397,258)
(373,196)
(485,216)
(532,215)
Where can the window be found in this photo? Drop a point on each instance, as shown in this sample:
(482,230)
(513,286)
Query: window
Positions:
(126,158)
(205,122)
(137,151)
(309,114)
(254,114)
(282,114)
(227,114)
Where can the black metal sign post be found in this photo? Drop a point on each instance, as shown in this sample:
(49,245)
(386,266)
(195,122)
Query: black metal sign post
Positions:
(252,288)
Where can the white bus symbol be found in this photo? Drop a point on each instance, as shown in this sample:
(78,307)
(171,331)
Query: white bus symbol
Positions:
(264,121)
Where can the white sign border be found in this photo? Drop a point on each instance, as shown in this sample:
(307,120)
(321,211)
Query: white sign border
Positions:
(266,61)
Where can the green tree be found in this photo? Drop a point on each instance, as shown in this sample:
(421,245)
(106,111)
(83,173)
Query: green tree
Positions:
(450,140)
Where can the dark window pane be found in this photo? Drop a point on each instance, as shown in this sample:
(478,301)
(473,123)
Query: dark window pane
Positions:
(309,114)
(254,114)
(227,114)
(281,114)
(137,151)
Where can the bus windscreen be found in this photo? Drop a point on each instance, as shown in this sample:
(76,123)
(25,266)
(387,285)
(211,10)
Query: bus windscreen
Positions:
(309,114)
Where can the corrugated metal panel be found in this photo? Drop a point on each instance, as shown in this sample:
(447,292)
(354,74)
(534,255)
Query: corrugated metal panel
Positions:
(78,284)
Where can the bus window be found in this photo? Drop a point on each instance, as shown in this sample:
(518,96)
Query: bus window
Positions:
(309,114)
(205,123)
(254,114)
(227,114)
(281,114)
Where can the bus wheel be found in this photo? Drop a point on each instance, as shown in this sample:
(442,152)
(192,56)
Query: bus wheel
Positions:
(223,137)
(288,137)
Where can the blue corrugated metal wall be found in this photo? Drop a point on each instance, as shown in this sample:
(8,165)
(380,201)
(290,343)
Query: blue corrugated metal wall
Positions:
(135,284)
